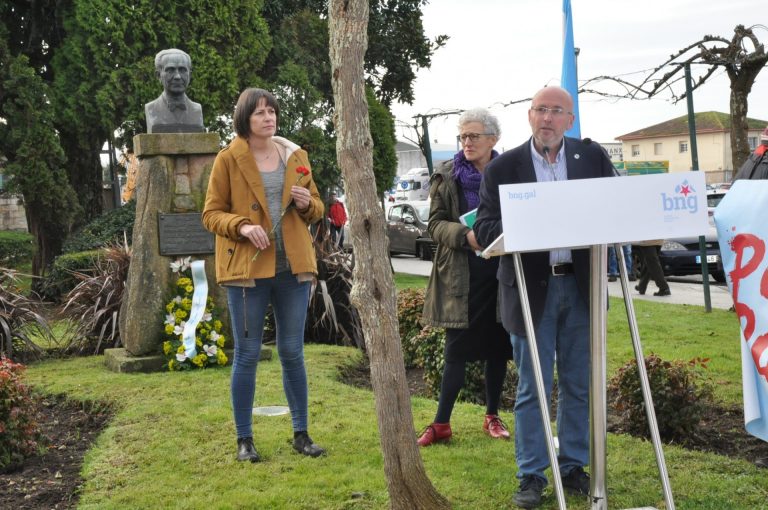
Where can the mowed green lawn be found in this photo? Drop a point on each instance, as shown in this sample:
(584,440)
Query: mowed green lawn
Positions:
(171,442)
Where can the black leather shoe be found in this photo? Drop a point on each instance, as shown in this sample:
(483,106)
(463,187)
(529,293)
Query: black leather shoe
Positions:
(577,481)
(632,278)
(246,450)
(612,277)
(639,290)
(664,292)
(303,444)
(529,494)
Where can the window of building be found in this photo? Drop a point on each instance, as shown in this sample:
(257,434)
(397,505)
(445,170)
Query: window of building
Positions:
(683,147)
(752,140)
(635,150)
(657,149)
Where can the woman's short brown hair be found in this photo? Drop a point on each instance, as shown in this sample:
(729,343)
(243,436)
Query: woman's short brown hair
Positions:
(247,102)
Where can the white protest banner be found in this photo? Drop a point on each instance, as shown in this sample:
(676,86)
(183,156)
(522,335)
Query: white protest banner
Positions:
(743,233)
(583,212)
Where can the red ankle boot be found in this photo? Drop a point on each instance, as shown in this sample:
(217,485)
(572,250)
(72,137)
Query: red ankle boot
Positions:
(494,427)
(435,433)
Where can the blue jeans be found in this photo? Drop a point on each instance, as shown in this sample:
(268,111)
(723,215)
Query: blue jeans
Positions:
(248,309)
(613,260)
(562,337)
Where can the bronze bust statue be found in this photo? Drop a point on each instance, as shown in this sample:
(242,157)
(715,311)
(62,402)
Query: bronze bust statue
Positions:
(173,111)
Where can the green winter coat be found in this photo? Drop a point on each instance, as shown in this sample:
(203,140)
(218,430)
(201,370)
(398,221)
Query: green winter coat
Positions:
(446,304)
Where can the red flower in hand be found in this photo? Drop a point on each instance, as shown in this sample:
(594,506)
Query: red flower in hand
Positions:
(302,171)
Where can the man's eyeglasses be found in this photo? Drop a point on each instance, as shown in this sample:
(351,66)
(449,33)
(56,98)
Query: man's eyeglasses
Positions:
(473,137)
(543,110)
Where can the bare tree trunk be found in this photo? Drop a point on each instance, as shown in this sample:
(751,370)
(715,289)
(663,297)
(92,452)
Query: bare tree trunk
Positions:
(741,86)
(739,125)
(373,292)
(48,241)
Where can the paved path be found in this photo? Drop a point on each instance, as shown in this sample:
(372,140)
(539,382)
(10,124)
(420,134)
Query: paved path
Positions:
(683,292)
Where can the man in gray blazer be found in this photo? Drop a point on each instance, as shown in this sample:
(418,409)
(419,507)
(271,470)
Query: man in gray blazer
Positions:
(173,111)
(558,290)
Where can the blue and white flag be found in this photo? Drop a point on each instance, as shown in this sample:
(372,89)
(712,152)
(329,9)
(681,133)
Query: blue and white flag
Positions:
(569,78)
(743,235)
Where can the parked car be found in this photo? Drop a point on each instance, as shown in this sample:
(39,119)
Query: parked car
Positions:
(714,197)
(682,257)
(347,245)
(407,229)
(719,186)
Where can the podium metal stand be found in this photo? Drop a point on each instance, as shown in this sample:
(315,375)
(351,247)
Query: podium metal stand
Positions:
(598,409)
(641,208)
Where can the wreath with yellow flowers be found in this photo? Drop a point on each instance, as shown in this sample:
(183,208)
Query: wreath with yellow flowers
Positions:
(209,342)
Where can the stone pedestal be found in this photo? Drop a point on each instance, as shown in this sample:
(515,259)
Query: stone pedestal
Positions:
(172,178)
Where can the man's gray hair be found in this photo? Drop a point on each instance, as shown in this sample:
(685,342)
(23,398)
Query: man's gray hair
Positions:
(162,54)
(487,119)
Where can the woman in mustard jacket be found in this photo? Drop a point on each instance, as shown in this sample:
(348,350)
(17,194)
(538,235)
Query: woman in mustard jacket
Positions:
(260,201)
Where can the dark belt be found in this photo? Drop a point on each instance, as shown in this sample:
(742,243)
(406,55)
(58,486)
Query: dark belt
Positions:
(562,269)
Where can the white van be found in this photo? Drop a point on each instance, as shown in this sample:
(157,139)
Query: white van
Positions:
(414,185)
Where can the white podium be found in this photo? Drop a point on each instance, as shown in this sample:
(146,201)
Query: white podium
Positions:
(593,213)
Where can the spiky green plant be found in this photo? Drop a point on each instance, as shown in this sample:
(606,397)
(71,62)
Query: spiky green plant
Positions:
(331,318)
(20,320)
(94,303)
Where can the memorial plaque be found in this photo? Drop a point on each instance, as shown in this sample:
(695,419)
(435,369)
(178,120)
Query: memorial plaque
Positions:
(183,234)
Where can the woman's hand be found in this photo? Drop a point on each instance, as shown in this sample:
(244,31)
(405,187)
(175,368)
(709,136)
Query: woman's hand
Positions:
(472,240)
(301,197)
(256,235)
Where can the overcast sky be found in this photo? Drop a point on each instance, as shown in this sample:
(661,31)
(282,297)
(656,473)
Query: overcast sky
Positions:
(504,50)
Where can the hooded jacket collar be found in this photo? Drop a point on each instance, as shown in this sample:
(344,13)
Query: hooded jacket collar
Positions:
(250,170)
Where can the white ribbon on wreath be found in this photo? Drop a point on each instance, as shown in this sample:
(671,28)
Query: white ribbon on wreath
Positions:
(199,300)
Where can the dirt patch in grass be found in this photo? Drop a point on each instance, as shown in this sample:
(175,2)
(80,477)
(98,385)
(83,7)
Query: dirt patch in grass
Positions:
(53,480)
(721,429)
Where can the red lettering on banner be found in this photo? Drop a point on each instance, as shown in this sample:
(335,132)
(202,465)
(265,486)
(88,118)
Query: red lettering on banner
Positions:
(760,345)
(738,244)
(764,285)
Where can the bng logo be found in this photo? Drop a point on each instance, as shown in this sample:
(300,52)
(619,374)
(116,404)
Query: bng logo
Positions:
(683,199)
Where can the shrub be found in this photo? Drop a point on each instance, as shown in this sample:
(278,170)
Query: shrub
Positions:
(19,319)
(112,227)
(680,392)
(425,348)
(429,353)
(16,248)
(428,348)
(331,318)
(19,432)
(61,277)
(94,303)
(410,303)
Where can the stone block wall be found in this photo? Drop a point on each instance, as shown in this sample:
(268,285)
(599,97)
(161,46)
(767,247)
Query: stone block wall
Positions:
(12,213)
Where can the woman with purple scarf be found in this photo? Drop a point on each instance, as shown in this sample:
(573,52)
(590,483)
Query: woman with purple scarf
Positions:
(462,290)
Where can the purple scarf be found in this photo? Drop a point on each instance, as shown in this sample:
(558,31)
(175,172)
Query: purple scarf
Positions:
(465,173)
